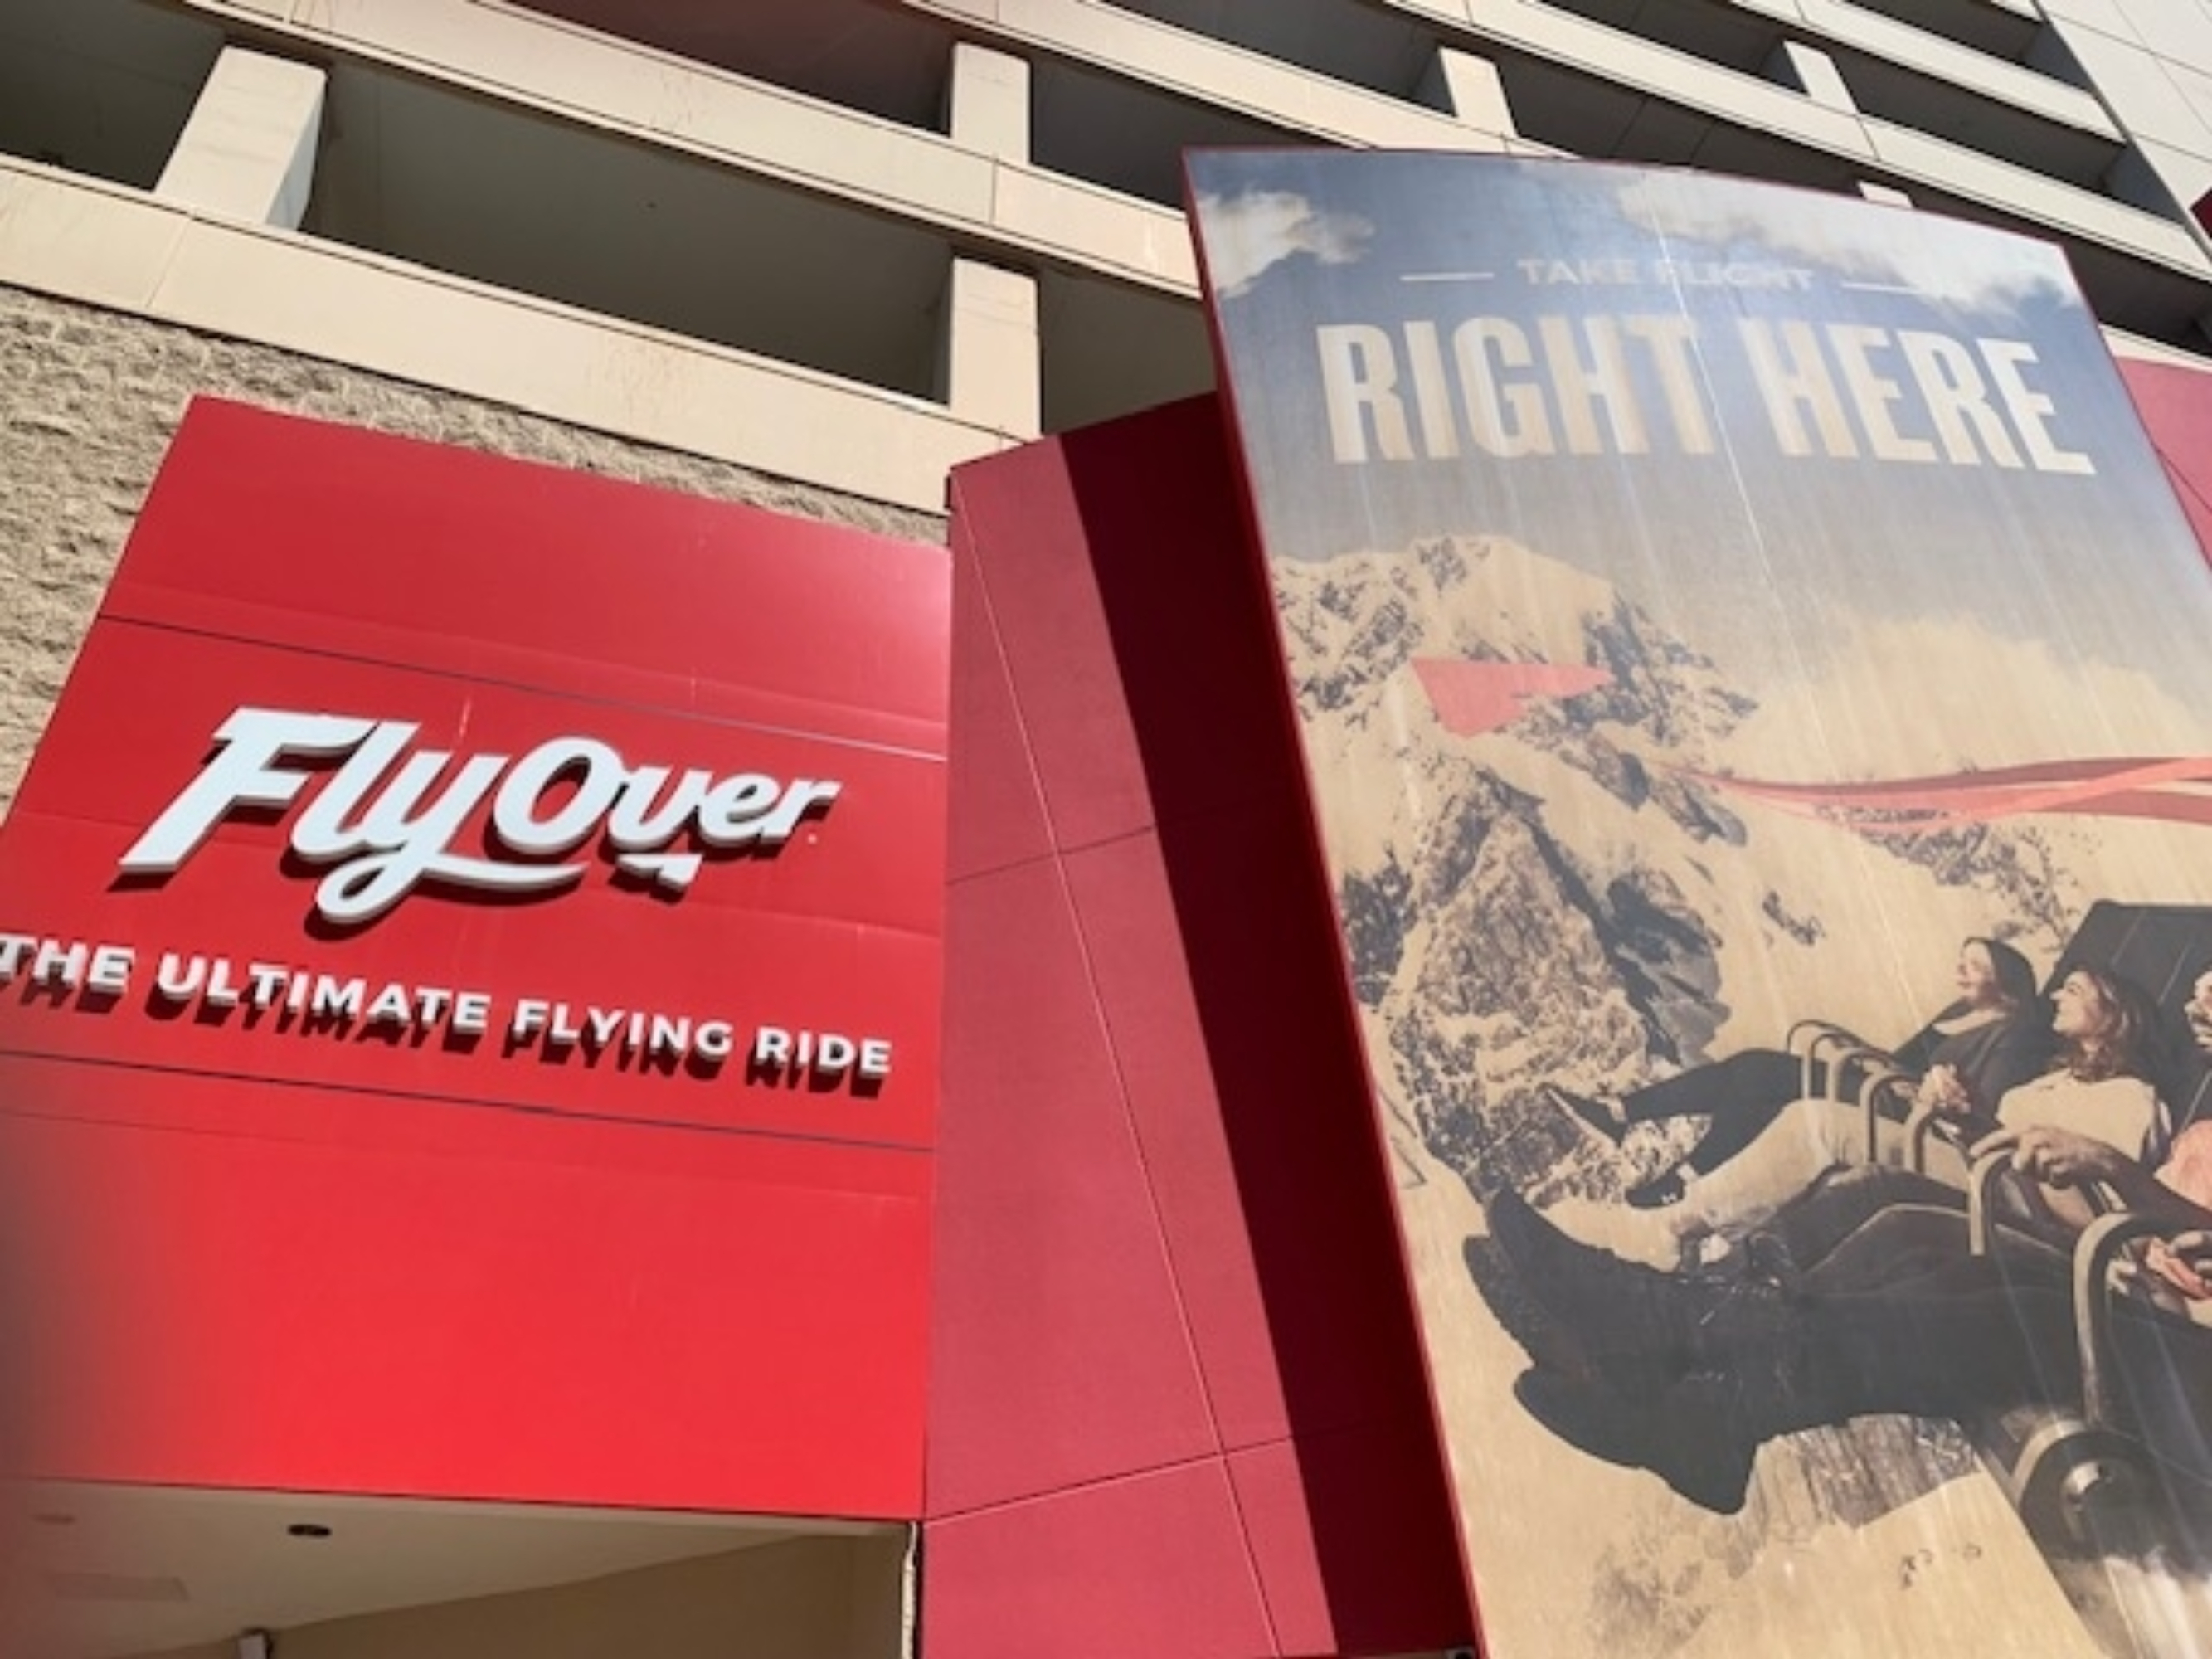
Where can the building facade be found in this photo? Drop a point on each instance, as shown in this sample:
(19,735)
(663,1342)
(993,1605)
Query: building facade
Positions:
(815,257)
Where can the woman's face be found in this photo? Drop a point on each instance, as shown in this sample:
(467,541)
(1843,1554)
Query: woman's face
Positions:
(1977,976)
(2081,1012)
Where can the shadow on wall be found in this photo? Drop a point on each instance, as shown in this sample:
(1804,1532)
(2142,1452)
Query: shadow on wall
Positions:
(1193,635)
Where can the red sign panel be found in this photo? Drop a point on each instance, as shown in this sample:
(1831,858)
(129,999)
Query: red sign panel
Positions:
(476,928)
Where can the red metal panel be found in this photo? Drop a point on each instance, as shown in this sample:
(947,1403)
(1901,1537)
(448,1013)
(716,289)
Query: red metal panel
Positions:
(1004,823)
(1153,1565)
(1178,920)
(1131,937)
(1344,1564)
(448,559)
(1061,1355)
(2176,406)
(322,1312)
(356,1255)
(1052,633)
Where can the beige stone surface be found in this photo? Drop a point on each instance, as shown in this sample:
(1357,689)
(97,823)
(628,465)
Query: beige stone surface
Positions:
(90,400)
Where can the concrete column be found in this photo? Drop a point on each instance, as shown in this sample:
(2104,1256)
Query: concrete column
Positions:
(1811,71)
(248,151)
(987,102)
(989,363)
(1889,195)
(1462,85)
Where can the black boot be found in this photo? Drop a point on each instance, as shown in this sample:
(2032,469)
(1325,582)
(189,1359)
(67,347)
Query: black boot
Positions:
(1618,1310)
(1657,1192)
(1601,1116)
(1690,1436)
(1525,1319)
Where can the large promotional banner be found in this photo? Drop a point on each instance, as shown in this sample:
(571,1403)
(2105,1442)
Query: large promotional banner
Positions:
(1754,687)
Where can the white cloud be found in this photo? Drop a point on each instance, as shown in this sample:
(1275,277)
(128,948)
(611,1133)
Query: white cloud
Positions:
(1246,234)
(1922,254)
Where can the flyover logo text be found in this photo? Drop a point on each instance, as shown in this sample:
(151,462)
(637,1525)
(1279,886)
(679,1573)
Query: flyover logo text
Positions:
(383,824)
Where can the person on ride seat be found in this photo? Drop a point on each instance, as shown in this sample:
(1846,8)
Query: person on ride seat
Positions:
(1688,1375)
(1993,1037)
(2101,1086)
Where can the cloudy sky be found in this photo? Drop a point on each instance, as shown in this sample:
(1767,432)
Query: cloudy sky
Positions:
(1789,570)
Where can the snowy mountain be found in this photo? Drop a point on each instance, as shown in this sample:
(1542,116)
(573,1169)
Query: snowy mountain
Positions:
(1558,899)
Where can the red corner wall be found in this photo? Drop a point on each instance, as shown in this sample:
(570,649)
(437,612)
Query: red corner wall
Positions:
(2176,406)
(1178,1402)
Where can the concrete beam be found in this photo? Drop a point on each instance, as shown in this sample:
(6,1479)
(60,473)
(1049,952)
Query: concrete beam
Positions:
(990,366)
(1811,71)
(248,151)
(1467,88)
(987,102)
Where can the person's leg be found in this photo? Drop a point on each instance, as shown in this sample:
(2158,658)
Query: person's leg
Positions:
(1740,1095)
(1966,1339)
(1767,1083)
(1915,1231)
(1972,1335)
(1807,1140)
(1811,1227)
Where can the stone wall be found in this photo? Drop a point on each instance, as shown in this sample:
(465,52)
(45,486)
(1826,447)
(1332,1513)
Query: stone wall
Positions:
(89,399)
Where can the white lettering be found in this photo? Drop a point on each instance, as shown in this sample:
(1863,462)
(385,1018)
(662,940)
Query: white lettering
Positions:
(636,825)
(338,998)
(179,979)
(639,1036)
(389,1007)
(1793,379)
(1957,400)
(730,814)
(110,976)
(58,965)
(264,981)
(220,993)
(386,820)
(1359,373)
(2030,409)
(669,1037)
(243,774)
(1873,392)
(573,822)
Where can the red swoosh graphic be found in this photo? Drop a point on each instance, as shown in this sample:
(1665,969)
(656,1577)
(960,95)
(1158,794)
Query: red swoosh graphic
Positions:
(2130,787)
(1472,697)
